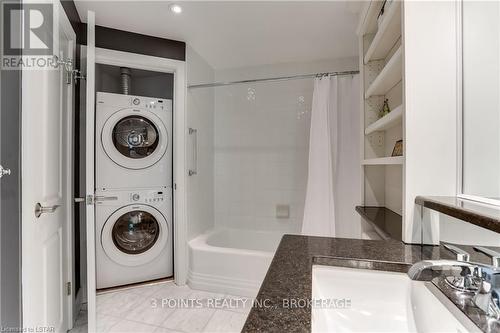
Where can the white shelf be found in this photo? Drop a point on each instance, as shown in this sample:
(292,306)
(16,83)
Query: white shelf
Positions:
(369,21)
(387,35)
(384,161)
(390,120)
(390,75)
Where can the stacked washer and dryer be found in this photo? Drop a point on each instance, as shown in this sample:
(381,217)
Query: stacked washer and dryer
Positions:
(134,236)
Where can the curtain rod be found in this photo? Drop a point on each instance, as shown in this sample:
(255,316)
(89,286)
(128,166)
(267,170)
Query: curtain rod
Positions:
(272,79)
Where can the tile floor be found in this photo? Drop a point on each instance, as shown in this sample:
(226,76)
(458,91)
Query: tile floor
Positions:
(162,308)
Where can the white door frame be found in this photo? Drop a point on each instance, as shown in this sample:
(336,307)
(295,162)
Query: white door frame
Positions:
(63,24)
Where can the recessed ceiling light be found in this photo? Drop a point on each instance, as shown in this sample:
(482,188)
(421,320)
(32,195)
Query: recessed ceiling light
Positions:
(175,8)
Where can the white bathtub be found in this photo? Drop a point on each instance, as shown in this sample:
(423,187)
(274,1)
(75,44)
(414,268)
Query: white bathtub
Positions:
(231,261)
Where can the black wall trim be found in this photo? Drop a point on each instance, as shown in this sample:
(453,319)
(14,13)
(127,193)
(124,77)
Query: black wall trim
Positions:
(120,40)
(72,14)
(10,193)
(114,39)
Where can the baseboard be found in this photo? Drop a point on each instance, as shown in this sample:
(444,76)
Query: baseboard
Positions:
(223,284)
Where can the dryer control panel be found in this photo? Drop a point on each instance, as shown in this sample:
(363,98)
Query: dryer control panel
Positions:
(148,103)
(152,104)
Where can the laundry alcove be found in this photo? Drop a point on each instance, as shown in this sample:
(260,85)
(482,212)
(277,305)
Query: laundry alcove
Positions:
(142,82)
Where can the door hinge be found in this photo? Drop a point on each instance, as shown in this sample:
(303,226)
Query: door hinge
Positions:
(69,77)
(4,171)
(77,75)
(68,288)
(175,186)
(90,199)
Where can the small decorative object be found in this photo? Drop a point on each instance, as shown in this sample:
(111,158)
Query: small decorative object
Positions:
(251,94)
(385,109)
(381,13)
(398,148)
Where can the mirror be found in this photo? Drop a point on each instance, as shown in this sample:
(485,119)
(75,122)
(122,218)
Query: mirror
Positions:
(481,99)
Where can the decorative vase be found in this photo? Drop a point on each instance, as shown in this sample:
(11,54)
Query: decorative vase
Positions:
(385,109)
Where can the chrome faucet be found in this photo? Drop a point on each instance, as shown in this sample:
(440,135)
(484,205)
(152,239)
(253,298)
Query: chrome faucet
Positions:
(480,279)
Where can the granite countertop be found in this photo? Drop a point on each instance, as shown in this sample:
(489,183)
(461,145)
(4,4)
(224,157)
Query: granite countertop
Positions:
(387,223)
(290,273)
(483,215)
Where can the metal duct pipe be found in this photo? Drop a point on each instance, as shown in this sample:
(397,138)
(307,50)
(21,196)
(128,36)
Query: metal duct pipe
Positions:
(126,78)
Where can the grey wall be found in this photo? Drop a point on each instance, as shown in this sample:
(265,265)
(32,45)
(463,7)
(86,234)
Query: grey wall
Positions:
(10,199)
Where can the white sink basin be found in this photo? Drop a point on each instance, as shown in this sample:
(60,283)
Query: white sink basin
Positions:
(379,302)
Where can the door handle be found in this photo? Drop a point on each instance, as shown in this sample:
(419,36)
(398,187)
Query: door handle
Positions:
(105,198)
(91,199)
(39,209)
(4,171)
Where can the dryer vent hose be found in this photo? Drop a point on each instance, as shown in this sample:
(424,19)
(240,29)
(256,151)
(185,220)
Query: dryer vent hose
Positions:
(126,78)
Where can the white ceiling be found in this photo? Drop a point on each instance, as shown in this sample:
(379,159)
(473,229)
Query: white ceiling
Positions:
(241,33)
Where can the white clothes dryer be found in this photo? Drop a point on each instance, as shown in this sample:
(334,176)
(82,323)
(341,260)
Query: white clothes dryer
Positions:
(133,142)
(134,236)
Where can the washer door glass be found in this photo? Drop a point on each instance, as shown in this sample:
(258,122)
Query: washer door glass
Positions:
(135,232)
(135,137)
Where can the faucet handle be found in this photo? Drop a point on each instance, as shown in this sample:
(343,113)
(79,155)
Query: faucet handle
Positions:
(461,254)
(487,300)
(494,255)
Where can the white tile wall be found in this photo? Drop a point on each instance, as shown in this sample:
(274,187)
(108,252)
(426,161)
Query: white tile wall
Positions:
(256,136)
(261,150)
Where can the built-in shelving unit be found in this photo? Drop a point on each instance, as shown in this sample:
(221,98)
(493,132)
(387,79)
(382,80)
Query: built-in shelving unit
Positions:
(394,69)
(381,67)
(388,121)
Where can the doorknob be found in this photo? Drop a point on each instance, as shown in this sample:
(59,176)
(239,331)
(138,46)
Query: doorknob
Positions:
(4,172)
(39,209)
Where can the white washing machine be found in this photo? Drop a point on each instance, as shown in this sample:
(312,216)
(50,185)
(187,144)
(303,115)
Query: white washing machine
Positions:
(134,237)
(133,141)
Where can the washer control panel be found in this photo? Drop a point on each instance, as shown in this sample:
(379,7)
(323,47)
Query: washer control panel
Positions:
(150,197)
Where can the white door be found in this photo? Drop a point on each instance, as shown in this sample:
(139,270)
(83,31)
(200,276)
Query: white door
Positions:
(46,187)
(88,58)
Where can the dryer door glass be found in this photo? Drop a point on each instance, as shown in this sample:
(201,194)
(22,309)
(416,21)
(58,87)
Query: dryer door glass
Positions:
(135,137)
(135,232)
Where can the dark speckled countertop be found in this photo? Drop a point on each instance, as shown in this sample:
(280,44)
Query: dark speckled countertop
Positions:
(483,215)
(290,273)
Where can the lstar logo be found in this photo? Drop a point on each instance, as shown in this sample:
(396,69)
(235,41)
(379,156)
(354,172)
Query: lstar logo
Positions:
(28,29)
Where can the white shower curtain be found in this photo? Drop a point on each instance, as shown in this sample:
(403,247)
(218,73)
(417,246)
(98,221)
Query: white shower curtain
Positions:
(334,182)
(319,209)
